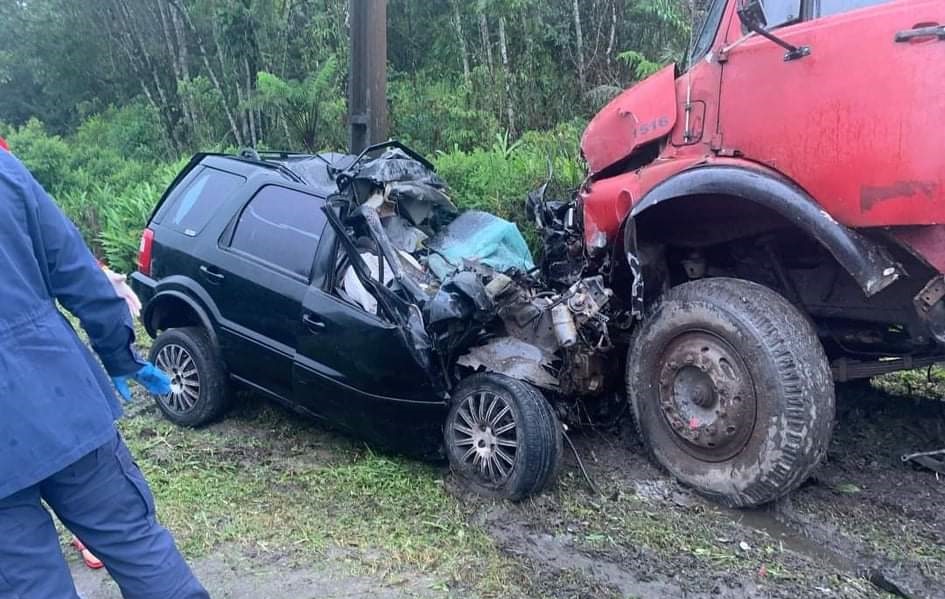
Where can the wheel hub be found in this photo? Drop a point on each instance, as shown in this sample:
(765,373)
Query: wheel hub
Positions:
(485,431)
(706,396)
(177,362)
(485,441)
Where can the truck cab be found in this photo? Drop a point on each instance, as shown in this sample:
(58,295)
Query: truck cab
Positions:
(773,214)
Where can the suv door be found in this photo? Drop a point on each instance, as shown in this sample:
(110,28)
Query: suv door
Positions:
(355,368)
(258,279)
(854,122)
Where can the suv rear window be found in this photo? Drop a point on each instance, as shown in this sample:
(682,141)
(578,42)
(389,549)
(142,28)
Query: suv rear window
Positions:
(281,227)
(193,205)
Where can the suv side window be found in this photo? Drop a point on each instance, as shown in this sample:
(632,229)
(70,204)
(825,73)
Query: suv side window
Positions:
(825,8)
(193,206)
(281,227)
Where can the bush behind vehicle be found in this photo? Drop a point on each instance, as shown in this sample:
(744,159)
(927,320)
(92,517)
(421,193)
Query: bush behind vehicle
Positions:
(109,194)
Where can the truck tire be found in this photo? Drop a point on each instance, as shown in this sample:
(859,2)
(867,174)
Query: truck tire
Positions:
(200,387)
(731,390)
(502,437)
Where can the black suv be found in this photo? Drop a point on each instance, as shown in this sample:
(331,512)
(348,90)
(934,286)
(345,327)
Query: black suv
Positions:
(351,289)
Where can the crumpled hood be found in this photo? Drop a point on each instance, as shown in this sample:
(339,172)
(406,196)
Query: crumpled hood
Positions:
(639,115)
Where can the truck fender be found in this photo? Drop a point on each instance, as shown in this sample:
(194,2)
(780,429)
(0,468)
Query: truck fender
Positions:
(866,261)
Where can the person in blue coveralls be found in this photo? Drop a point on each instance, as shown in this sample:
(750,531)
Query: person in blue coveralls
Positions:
(58,441)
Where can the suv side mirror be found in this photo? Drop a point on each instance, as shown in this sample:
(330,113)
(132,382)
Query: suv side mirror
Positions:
(752,15)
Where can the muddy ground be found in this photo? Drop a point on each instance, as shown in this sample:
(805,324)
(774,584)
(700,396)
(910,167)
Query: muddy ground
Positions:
(267,504)
(865,525)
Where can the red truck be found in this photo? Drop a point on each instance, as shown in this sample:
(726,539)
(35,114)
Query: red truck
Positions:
(773,216)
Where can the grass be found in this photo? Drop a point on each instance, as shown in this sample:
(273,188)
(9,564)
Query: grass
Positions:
(923,383)
(265,479)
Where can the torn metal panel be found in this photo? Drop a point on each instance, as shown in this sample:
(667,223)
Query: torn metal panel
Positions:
(562,260)
(404,235)
(513,358)
(317,171)
(464,289)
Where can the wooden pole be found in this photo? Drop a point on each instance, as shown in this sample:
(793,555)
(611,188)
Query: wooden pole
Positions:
(367,83)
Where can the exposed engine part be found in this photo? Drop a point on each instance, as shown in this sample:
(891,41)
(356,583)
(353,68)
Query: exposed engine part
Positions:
(587,297)
(584,372)
(529,313)
(498,285)
(565,329)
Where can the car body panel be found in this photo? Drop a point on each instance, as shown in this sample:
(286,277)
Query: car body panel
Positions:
(636,117)
(853,122)
(356,372)
(869,158)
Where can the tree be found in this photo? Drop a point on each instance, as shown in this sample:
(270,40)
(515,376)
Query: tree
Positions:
(306,104)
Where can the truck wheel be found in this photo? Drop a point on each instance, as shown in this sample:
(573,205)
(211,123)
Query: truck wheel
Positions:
(502,437)
(199,387)
(731,390)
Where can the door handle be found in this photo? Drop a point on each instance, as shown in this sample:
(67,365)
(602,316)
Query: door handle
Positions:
(921,31)
(211,274)
(313,323)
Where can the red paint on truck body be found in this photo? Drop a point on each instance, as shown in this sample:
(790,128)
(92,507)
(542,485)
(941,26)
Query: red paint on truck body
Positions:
(639,115)
(856,124)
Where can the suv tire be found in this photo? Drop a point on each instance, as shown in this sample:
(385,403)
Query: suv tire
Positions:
(200,387)
(502,437)
(731,390)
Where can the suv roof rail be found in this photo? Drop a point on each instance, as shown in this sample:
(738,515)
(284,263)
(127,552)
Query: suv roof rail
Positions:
(284,154)
(277,166)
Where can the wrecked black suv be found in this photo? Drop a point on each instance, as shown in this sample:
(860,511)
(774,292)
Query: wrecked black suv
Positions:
(351,289)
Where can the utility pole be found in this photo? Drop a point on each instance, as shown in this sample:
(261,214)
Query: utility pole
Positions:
(367,78)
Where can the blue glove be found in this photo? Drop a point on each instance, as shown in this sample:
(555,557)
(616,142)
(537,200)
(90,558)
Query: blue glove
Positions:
(152,378)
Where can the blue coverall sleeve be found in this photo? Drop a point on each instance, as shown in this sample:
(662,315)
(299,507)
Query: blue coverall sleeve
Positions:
(76,280)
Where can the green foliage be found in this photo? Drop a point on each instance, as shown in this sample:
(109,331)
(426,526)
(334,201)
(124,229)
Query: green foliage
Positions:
(110,196)
(641,66)
(130,132)
(124,215)
(310,107)
(434,114)
(497,179)
(101,97)
(205,100)
(106,194)
(122,220)
(45,155)
(157,79)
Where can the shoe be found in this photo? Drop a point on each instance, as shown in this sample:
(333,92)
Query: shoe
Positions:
(87,556)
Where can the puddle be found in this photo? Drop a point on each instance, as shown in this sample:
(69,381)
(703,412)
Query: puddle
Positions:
(829,547)
(767,521)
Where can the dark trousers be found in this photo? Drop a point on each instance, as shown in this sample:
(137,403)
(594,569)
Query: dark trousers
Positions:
(104,499)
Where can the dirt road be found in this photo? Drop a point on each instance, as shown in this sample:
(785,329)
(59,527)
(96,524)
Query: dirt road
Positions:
(270,505)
